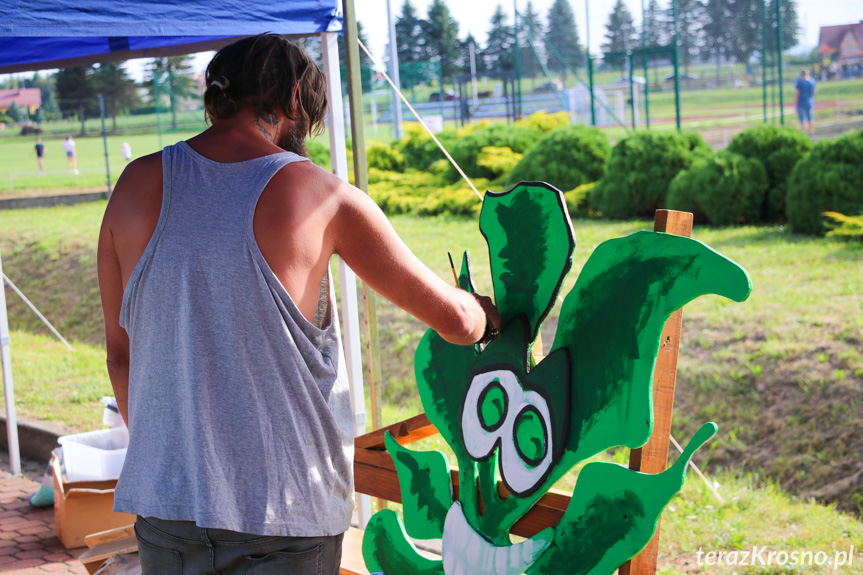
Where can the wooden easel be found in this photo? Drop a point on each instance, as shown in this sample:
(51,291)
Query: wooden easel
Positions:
(375,472)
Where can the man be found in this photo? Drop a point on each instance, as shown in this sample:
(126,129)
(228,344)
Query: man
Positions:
(804,99)
(39,150)
(71,154)
(223,344)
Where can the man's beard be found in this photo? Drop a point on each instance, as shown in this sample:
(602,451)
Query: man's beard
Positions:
(295,138)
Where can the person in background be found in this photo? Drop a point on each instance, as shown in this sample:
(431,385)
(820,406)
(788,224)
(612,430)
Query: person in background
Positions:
(71,154)
(39,149)
(223,342)
(126,150)
(804,99)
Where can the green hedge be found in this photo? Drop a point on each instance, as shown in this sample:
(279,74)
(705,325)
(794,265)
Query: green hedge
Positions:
(727,187)
(829,179)
(383,157)
(778,149)
(565,158)
(640,169)
(467,149)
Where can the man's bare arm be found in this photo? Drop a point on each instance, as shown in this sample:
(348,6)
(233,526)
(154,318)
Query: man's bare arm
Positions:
(117,341)
(367,242)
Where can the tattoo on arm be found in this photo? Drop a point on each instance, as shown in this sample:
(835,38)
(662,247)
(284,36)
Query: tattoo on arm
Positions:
(268,125)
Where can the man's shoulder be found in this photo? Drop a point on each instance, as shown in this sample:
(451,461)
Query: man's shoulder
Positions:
(140,185)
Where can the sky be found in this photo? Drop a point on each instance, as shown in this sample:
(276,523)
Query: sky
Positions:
(474,16)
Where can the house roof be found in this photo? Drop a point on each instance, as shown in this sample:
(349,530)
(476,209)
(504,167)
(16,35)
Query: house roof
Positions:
(831,36)
(23,97)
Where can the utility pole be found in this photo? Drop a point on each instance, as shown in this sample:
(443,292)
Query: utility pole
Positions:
(394,74)
(589,62)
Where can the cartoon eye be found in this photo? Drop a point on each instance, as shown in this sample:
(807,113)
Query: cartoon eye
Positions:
(530,436)
(498,413)
(492,406)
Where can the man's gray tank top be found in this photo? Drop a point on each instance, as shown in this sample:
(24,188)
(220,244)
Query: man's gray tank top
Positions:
(239,409)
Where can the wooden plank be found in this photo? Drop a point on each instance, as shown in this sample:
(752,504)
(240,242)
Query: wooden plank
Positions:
(93,558)
(407,431)
(109,535)
(653,457)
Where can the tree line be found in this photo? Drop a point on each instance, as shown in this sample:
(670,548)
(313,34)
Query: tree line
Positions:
(73,92)
(728,30)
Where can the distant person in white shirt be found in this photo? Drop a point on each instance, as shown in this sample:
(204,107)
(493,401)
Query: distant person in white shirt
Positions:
(127,152)
(71,155)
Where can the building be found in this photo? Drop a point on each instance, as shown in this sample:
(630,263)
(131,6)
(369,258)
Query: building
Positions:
(25,98)
(842,44)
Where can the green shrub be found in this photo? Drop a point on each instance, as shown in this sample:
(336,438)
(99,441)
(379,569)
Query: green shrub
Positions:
(498,161)
(681,193)
(319,153)
(383,157)
(778,149)
(640,169)
(577,200)
(728,187)
(544,121)
(565,158)
(848,227)
(5,119)
(466,149)
(829,179)
(419,150)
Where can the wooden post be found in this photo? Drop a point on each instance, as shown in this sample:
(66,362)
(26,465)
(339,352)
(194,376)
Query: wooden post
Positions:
(653,457)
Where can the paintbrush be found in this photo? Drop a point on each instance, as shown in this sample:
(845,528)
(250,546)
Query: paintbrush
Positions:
(452,267)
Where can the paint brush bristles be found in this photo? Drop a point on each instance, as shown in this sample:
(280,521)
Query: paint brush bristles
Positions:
(452,267)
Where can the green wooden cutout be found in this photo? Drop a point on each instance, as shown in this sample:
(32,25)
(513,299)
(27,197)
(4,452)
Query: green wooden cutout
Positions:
(426,488)
(530,424)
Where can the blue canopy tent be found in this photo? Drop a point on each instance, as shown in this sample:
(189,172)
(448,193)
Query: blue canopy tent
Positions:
(55,33)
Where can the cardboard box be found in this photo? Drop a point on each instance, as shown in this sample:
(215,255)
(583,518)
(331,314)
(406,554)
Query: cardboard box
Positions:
(83,508)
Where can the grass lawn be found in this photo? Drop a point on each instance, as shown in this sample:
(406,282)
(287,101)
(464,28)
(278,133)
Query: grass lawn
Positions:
(19,171)
(781,373)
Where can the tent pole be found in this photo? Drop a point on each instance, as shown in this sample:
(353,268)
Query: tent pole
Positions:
(361,179)
(348,280)
(9,393)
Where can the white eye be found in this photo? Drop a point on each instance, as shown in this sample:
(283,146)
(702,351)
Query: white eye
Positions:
(499,412)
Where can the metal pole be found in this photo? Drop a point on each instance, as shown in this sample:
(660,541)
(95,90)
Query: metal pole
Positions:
(676,65)
(644,62)
(156,102)
(517,88)
(348,279)
(394,74)
(589,62)
(473,71)
(105,140)
(355,102)
(9,393)
(779,56)
(631,91)
(764,57)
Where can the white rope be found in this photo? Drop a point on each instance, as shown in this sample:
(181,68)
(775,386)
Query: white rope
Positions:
(419,119)
(37,312)
(698,471)
(463,175)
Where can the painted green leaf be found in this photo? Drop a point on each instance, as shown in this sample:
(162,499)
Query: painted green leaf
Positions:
(425,486)
(387,549)
(530,244)
(442,371)
(611,322)
(613,515)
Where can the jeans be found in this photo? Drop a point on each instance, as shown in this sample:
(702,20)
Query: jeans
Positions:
(181,547)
